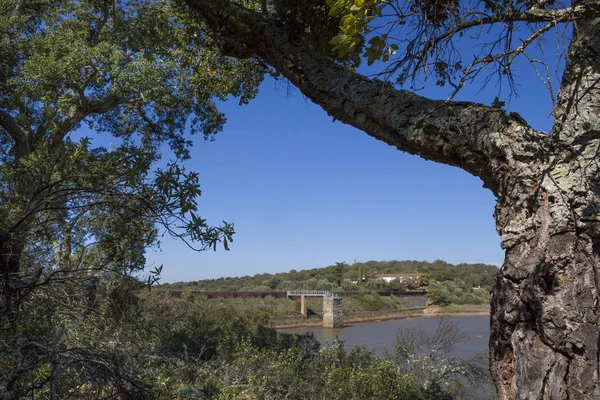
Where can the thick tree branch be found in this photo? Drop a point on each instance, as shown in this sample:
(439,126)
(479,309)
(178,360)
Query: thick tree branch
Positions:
(19,135)
(534,15)
(548,15)
(78,113)
(468,135)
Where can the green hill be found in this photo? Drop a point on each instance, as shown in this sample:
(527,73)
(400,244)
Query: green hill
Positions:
(341,277)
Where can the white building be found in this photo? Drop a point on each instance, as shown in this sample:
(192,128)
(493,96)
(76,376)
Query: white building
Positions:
(405,278)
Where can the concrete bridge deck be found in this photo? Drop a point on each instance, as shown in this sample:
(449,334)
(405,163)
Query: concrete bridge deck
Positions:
(313,293)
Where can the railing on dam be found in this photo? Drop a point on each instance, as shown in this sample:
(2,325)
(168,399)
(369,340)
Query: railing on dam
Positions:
(313,293)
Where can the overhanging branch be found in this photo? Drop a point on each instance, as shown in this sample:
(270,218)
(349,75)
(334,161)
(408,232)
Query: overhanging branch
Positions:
(539,15)
(468,135)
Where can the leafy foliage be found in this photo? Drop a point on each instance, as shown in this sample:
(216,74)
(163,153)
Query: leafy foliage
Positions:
(313,22)
(251,361)
(140,78)
(456,292)
(133,71)
(154,347)
(371,302)
(354,28)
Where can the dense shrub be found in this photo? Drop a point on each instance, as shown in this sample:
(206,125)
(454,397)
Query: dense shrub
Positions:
(248,360)
(370,302)
(154,347)
(456,292)
(332,373)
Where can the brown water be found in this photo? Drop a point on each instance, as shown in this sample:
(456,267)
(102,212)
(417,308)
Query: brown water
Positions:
(381,335)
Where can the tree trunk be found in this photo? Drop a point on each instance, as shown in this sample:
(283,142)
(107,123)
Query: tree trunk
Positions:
(10,257)
(544,325)
(10,265)
(545,336)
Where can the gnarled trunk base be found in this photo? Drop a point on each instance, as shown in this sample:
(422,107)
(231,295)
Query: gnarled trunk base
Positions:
(545,337)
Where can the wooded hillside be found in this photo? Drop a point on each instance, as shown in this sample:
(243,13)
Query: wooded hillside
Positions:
(473,275)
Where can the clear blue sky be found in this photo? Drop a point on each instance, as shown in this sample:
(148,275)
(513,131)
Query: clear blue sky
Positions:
(305,192)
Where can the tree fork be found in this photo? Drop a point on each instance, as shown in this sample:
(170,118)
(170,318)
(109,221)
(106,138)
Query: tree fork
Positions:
(545,335)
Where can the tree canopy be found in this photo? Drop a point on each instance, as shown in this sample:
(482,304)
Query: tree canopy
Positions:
(92,95)
(132,71)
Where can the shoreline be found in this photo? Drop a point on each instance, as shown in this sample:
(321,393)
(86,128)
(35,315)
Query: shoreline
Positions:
(427,312)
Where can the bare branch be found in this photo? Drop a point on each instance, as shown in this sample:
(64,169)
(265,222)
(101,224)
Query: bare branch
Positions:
(547,81)
(479,64)
(564,16)
(425,47)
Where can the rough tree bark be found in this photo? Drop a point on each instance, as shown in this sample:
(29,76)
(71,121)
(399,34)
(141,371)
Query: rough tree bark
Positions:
(545,336)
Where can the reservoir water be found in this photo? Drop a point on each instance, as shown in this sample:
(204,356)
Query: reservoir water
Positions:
(381,335)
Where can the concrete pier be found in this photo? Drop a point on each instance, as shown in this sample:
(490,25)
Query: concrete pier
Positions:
(303,307)
(333,315)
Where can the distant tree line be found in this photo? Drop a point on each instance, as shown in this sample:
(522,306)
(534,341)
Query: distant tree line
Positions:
(355,277)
